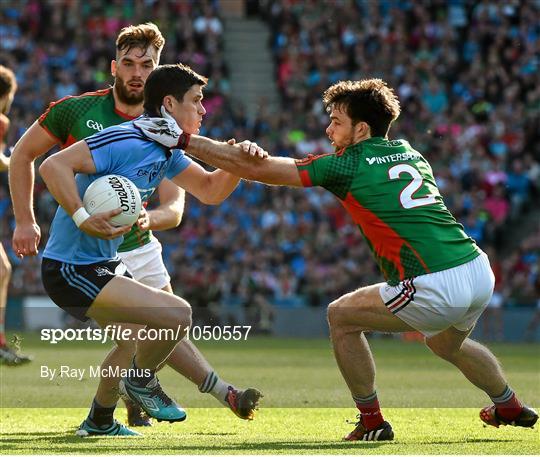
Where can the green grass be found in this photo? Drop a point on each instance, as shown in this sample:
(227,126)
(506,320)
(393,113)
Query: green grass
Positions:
(432,408)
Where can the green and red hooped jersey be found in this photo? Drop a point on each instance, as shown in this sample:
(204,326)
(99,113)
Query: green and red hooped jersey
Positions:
(389,190)
(74,118)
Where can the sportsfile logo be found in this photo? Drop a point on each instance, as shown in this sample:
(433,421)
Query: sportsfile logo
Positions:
(400,157)
(119,333)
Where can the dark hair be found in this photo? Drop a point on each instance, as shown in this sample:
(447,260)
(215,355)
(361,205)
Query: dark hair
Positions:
(368,100)
(140,36)
(173,80)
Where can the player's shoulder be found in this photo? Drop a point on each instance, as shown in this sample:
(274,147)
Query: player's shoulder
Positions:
(122,136)
(100,94)
(395,148)
(119,131)
(74,106)
(76,103)
(319,159)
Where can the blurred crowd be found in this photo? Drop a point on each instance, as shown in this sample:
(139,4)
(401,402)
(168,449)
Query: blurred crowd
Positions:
(468,79)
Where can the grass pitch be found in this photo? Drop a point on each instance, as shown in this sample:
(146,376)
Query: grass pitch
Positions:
(432,408)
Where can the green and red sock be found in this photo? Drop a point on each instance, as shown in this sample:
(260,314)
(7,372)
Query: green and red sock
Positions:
(370,410)
(507,404)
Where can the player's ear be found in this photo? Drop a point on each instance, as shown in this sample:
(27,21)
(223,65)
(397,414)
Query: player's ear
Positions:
(362,129)
(168,103)
(113,68)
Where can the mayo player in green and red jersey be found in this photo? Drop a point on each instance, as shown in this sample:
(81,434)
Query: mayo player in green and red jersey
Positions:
(8,86)
(438,281)
(71,119)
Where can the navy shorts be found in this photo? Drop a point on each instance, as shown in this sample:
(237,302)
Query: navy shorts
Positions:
(75,287)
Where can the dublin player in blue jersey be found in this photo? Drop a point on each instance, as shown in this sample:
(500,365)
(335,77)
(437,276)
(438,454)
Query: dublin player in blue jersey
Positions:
(80,269)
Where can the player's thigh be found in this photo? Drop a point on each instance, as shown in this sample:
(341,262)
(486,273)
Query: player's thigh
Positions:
(364,309)
(125,300)
(448,342)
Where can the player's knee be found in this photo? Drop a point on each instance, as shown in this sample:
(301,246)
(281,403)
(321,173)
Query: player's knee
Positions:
(126,346)
(180,315)
(332,313)
(336,313)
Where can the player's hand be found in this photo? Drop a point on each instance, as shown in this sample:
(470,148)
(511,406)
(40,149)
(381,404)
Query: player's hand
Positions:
(99,225)
(253,149)
(26,239)
(143,221)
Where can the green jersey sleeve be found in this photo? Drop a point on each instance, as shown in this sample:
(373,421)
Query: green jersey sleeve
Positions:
(59,118)
(312,169)
(334,172)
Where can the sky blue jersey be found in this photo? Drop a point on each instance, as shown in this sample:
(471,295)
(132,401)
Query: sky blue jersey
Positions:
(122,150)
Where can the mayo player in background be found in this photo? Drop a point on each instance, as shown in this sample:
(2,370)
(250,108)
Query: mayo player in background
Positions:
(73,118)
(8,86)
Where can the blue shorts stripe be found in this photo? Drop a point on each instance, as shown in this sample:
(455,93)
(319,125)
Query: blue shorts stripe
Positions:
(65,275)
(78,284)
(83,280)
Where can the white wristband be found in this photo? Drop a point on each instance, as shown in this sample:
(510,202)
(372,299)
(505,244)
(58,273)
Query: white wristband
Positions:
(80,216)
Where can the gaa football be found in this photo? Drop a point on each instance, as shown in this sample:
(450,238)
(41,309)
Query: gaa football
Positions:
(110,192)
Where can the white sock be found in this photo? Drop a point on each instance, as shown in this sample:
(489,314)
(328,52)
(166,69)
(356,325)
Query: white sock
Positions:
(214,385)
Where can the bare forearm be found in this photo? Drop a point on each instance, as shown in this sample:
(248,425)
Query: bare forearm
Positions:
(171,207)
(280,171)
(21,185)
(60,180)
(221,155)
(224,184)
(166,216)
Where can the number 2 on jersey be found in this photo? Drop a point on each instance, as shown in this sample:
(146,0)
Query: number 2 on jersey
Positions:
(406,195)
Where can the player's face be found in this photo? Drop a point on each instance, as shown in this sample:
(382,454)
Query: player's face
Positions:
(341,131)
(130,71)
(190,111)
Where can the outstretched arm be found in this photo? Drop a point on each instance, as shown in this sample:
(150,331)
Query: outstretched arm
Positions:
(228,157)
(279,171)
